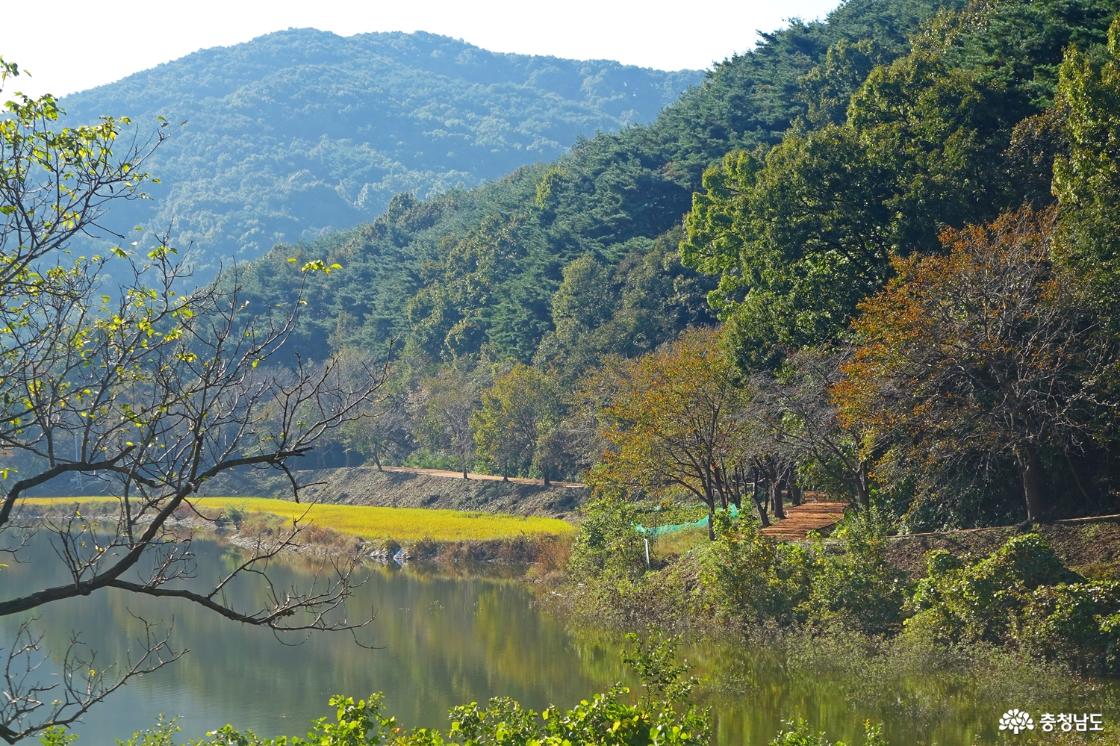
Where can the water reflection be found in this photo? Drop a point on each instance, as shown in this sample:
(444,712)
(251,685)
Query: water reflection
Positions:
(438,642)
(442,641)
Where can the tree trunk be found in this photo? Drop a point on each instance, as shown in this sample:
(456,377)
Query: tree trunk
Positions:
(711,522)
(762,513)
(863,487)
(377,460)
(547,481)
(759,500)
(796,494)
(1031,467)
(776,490)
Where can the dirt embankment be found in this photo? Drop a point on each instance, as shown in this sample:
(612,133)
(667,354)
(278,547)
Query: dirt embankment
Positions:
(399,487)
(1089,545)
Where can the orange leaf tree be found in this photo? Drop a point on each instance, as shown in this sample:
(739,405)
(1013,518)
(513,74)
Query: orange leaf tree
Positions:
(678,422)
(978,358)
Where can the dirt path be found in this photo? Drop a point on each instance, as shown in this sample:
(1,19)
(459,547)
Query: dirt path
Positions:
(479,477)
(801,519)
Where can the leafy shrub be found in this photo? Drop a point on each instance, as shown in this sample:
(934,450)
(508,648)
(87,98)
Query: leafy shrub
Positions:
(607,547)
(607,719)
(856,588)
(1027,560)
(978,601)
(798,734)
(162,734)
(1020,594)
(236,515)
(357,723)
(746,576)
(604,719)
(56,736)
(1078,623)
(659,667)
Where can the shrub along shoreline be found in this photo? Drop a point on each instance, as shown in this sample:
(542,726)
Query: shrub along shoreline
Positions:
(1020,597)
(1016,619)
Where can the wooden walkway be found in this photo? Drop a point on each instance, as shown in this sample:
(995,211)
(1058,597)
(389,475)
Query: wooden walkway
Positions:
(808,516)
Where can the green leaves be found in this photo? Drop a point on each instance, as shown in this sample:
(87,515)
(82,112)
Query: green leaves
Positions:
(516,412)
(319,265)
(605,719)
(800,234)
(1087,177)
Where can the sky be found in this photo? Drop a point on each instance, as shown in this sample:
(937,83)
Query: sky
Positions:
(70,46)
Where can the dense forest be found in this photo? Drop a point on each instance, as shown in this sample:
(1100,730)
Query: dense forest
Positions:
(301,131)
(875,260)
(815,199)
(479,268)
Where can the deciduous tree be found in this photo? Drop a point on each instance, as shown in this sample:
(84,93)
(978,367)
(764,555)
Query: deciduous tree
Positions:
(678,422)
(445,403)
(145,392)
(516,426)
(1087,177)
(979,355)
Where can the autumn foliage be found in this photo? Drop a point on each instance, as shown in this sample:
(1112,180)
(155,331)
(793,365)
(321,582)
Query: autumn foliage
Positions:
(677,423)
(975,359)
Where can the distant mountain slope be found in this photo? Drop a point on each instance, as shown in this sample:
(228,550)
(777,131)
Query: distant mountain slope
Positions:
(301,131)
(477,272)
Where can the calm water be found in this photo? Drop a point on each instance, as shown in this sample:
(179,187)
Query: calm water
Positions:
(443,641)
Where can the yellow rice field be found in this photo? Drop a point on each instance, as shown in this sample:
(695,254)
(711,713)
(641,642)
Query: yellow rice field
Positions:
(368,522)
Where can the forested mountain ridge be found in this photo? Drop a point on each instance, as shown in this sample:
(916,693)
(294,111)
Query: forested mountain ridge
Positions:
(475,271)
(301,131)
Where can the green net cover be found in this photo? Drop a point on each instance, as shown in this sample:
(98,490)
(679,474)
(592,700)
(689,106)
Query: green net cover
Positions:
(652,532)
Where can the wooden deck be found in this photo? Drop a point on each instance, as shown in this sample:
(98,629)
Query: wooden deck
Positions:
(815,515)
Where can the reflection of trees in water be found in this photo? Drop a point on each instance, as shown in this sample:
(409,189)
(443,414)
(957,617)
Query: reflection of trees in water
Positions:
(440,642)
(444,641)
(753,688)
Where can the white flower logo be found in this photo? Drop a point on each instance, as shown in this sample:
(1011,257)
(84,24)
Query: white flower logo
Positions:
(1016,721)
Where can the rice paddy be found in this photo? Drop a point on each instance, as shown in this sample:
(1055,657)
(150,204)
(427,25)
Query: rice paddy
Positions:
(368,522)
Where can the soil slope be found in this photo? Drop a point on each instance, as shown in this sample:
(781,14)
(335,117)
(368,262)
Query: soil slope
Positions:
(1089,545)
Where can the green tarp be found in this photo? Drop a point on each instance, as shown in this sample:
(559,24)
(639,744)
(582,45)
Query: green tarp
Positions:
(652,532)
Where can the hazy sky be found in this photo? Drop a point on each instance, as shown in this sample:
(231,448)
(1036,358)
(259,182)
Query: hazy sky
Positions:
(69,46)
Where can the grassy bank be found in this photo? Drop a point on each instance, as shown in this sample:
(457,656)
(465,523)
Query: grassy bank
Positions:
(367,522)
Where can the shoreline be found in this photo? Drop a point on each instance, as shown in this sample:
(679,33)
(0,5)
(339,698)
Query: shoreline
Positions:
(540,550)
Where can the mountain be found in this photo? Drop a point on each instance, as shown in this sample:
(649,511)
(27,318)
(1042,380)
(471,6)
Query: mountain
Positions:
(476,272)
(301,131)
